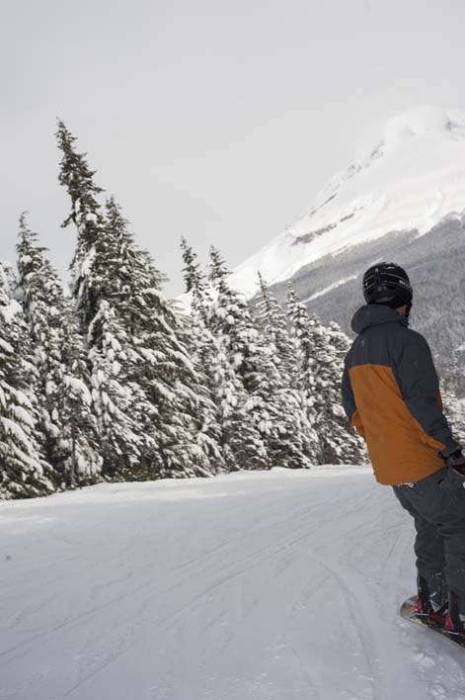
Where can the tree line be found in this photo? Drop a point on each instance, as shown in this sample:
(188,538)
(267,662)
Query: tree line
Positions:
(112,381)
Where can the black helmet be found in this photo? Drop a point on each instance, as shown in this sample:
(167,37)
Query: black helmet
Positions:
(388,284)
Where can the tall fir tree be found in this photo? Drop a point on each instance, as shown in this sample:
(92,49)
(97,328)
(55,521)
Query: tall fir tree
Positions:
(305,368)
(320,372)
(24,471)
(64,420)
(240,443)
(86,214)
(79,442)
(454,408)
(273,411)
(171,398)
(41,298)
(274,324)
(113,397)
(144,384)
(298,438)
(208,431)
(96,286)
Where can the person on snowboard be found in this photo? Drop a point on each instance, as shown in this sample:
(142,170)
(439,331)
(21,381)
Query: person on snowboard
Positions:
(390,392)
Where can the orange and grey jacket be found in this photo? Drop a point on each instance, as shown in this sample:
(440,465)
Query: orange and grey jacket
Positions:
(390,392)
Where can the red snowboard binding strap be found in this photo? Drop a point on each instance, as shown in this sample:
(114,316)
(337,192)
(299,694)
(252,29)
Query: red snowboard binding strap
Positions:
(425,609)
(453,622)
(424,606)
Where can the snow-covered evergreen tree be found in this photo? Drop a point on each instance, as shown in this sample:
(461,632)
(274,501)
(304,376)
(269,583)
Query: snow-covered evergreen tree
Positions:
(231,322)
(79,443)
(113,397)
(300,436)
(145,386)
(320,372)
(305,367)
(42,302)
(171,401)
(274,411)
(69,443)
(454,409)
(86,214)
(208,430)
(339,340)
(273,322)
(98,276)
(24,471)
(194,280)
(453,374)
(228,419)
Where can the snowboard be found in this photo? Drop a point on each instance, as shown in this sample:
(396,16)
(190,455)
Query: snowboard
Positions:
(407,611)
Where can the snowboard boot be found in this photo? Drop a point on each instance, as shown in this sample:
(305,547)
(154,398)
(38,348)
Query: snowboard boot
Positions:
(454,621)
(430,604)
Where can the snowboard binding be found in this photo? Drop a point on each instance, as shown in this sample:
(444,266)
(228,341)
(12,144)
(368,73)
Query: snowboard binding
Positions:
(454,622)
(426,608)
(443,618)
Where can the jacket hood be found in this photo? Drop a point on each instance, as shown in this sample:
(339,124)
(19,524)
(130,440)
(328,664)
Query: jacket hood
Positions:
(375,315)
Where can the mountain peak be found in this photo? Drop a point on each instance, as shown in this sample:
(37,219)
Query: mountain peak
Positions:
(411,179)
(424,121)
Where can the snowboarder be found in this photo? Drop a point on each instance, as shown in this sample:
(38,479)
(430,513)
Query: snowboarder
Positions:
(390,393)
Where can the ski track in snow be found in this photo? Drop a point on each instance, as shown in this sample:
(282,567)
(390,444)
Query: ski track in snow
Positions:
(258,586)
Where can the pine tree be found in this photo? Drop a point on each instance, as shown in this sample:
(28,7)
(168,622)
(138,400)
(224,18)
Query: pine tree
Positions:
(113,398)
(81,460)
(161,371)
(231,322)
(231,319)
(305,368)
(97,273)
(208,429)
(274,324)
(42,298)
(273,410)
(24,471)
(144,384)
(454,409)
(228,418)
(86,214)
(193,277)
(69,445)
(452,373)
(320,372)
(298,442)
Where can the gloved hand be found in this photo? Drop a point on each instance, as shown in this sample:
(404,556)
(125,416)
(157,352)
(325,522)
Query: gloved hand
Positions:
(455,460)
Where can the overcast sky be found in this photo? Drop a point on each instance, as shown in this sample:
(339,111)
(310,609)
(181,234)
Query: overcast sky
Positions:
(215,119)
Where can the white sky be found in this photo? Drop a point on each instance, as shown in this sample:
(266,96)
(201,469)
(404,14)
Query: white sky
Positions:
(217,120)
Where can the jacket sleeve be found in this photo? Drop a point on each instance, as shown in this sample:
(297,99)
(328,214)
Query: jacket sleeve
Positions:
(348,402)
(419,385)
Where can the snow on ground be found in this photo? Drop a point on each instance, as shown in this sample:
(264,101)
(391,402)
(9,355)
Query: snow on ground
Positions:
(258,586)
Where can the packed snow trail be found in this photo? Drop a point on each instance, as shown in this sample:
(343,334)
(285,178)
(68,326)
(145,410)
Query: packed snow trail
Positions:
(258,586)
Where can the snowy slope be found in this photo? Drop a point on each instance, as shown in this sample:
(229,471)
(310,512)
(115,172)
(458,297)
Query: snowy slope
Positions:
(411,179)
(271,586)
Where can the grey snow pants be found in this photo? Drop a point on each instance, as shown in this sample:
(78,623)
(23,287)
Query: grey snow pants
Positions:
(437,505)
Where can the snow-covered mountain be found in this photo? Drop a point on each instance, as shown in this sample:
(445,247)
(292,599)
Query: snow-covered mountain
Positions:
(411,179)
(403,201)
